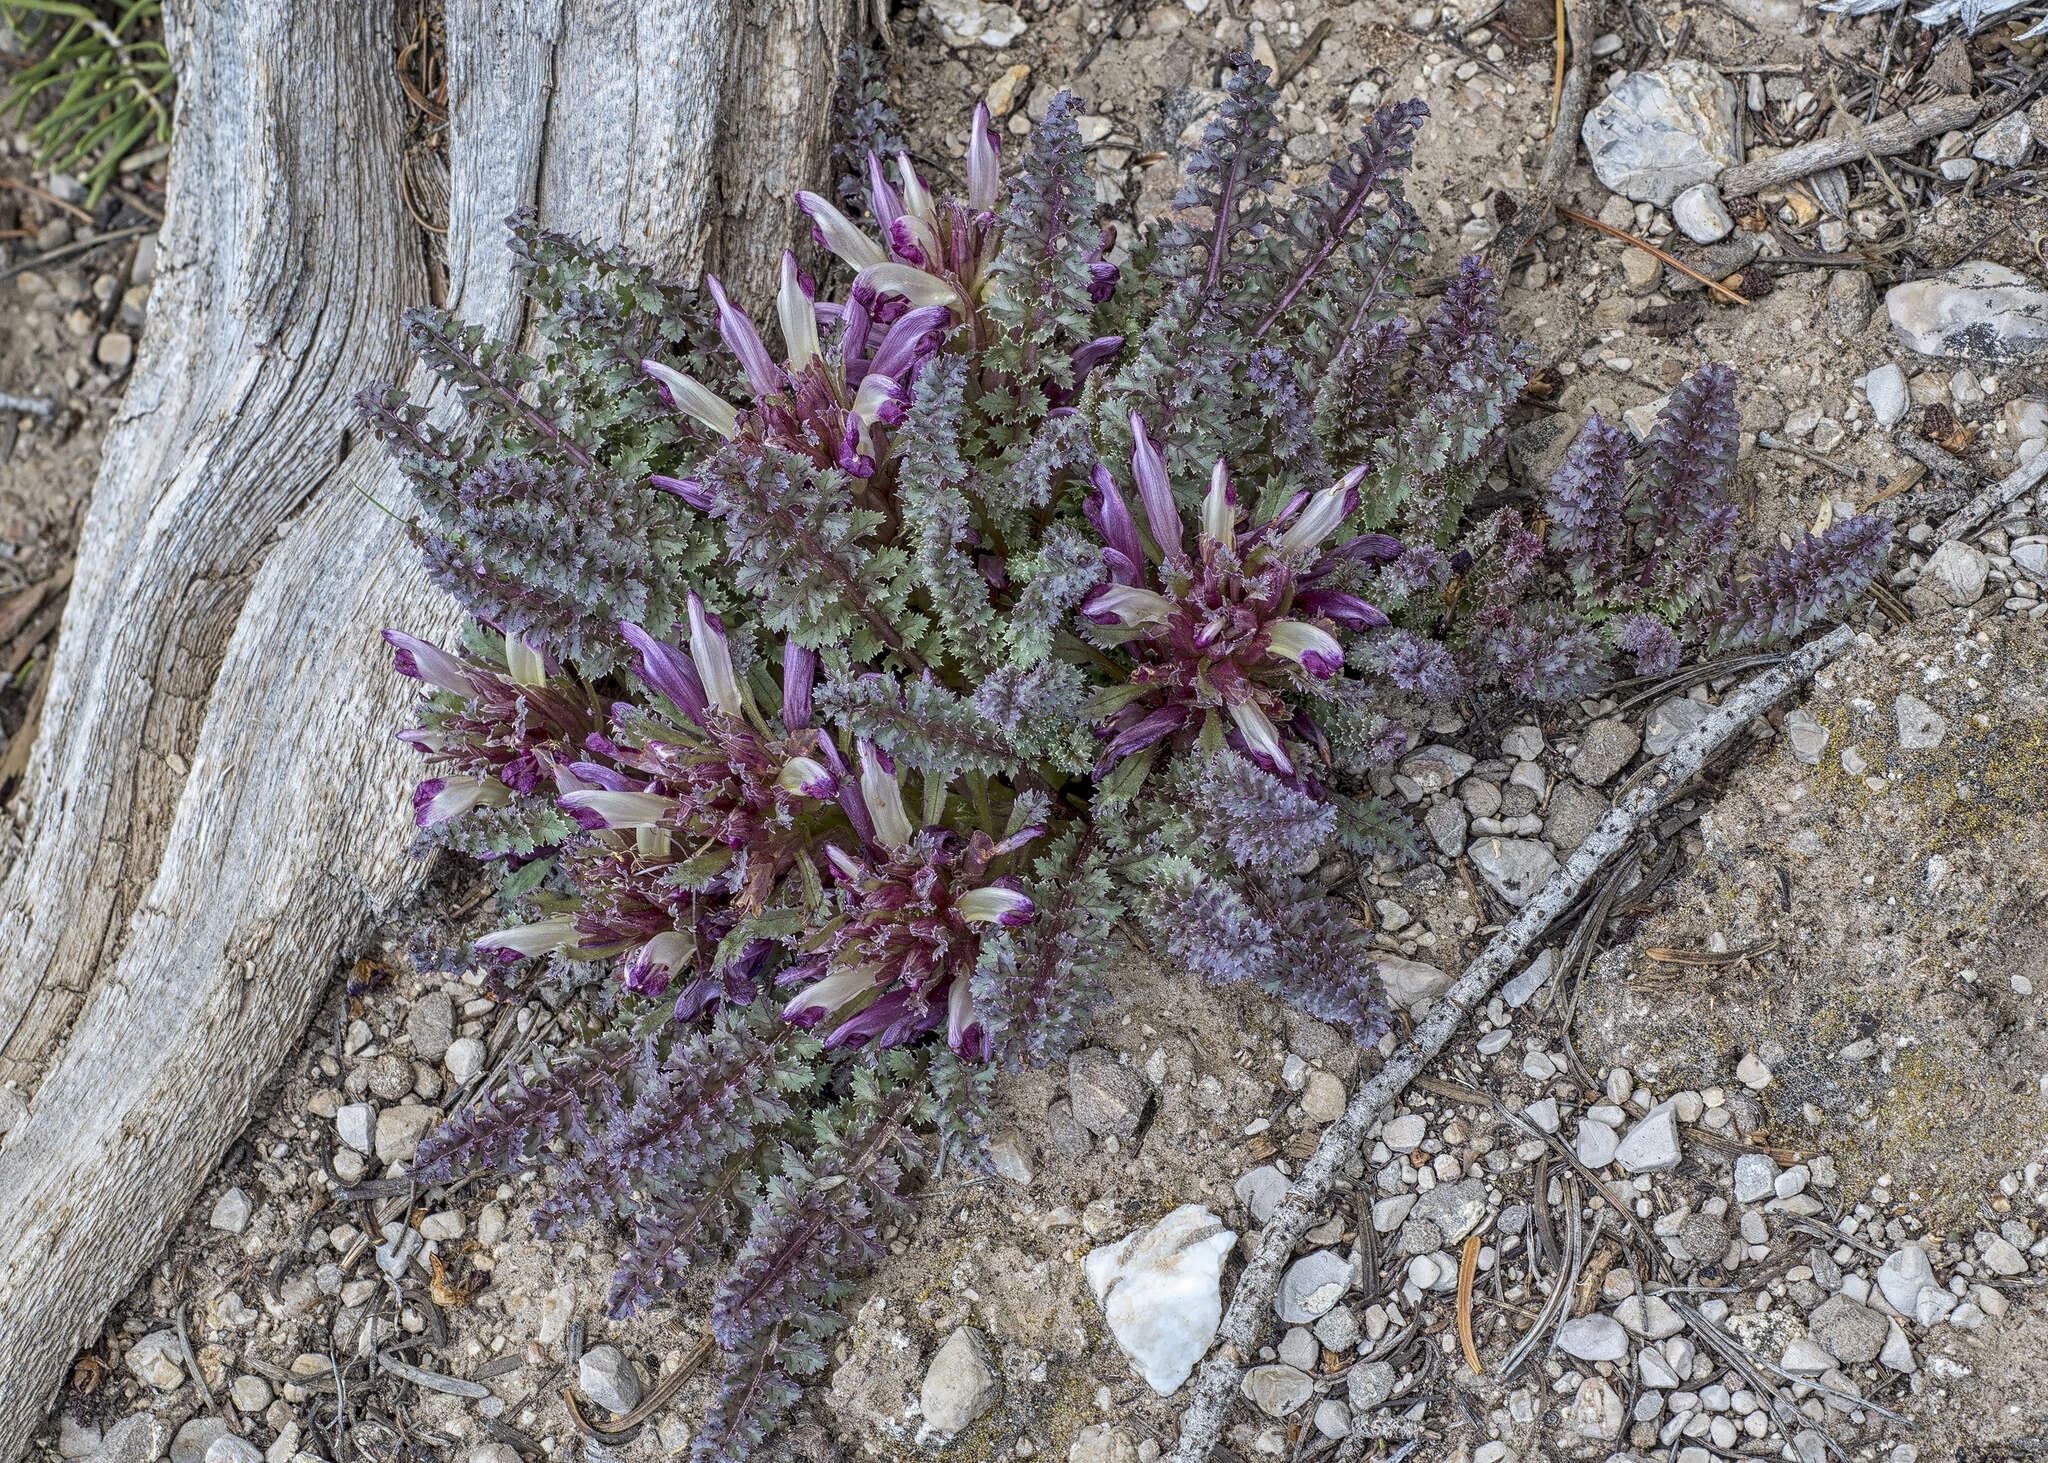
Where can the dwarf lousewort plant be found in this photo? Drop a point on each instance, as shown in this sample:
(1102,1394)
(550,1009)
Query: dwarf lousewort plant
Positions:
(830,711)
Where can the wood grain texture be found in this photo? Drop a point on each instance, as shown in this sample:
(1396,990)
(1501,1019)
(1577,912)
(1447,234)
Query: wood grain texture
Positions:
(215,810)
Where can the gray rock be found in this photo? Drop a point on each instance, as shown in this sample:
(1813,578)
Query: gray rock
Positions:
(1299,1348)
(1978,311)
(1756,1176)
(1604,749)
(1903,1276)
(195,1437)
(1419,1237)
(1809,738)
(1574,812)
(157,1361)
(609,1379)
(1655,1371)
(1649,1317)
(2001,1255)
(231,1449)
(960,1384)
(1596,1143)
(1068,1136)
(1660,132)
(974,22)
(492,1453)
(1160,1290)
(1404,1133)
(1456,1209)
(1596,1411)
(1108,1097)
(1854,1333)
(1324,1100)
(1704,1237)
(1885,389)
(464,1059)
(431,1025)
(1805,1357)
(142,1438)
(1652,1144)
(1390,1213)
(1338,1331)
(1851,300)
(1411,984)
(1011,1155)
(1261,1190)
(1957,572)
(2030,559)
(1701,215)
(1435,767)
(1672,722)
(1369,1385)
(1543,1113)
(1446,824)
(1534,976)
(1516,868)
(74,1441)
(357,1125)
(1593,1338)
(400,1129)
(231,1212)
(1333,1419)
(2006,142)
(1312,1285)
(1277,1390)
(250,1393)
(1898,1351)
(1101,1443)
(1921,727)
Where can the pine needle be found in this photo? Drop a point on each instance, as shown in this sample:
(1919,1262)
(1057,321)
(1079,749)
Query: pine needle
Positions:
(1468,1267)
(1648,248)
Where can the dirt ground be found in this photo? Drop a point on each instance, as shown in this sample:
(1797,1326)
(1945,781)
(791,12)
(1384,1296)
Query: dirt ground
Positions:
(1868,933)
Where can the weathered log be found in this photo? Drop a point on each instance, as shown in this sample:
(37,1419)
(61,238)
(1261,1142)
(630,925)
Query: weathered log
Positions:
(215,810)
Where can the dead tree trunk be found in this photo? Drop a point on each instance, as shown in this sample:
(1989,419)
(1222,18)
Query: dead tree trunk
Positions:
(215,809)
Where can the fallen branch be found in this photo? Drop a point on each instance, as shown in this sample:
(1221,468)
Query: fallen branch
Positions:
(1937,460)
(1251,1306)
(2017,483)
(1901,132)
(1533,216)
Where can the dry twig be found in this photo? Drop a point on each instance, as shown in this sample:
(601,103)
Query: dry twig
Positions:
(1900,132)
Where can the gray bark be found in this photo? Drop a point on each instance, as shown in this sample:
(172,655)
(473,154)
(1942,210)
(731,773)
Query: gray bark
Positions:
(1901,132)
(215,812)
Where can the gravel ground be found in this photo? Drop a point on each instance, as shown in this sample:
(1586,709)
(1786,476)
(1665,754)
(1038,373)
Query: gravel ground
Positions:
(1779,1144)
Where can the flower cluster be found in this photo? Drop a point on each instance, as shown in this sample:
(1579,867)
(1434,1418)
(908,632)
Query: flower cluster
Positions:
(834,717)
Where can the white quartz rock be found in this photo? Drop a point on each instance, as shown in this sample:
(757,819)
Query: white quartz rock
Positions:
(1161,1290)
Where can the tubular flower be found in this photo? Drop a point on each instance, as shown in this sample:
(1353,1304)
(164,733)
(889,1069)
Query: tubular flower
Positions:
(817,405)
(488,733)
(931,252)
(1214,640)
(898,961)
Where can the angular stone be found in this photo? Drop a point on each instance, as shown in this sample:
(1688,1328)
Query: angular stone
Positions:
(1805,1357)
(1652,1144)
(1885,390)
(1436,767)
(960,1384)
(1411,984)
(195,1437)
(1898,1351)
(1855,1334)
(1261,1190)
(1574,813)
(1660,132)
(431,1026)
(1593,1338)
(400,1129)
(2001,1256)
(1277,1390)
(1596,1411)
(1921,727)
(1011,1155)
(1515,868)
(1597,1143)
(1108,1097)
(1519,991)
(1160,1290)
(1456,1209)
(1809,738)
(1369,1385)
(974,22)
(1701,215)
(1446,823)
(1649,1317)
(1338,1331)
(1903,1276)
(231,1212)
(1957,571)
(1604,749)
(2006,142)
(157,1361)
(1756,1176)
(1312,1285)
(1978,311)
(357,1126)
